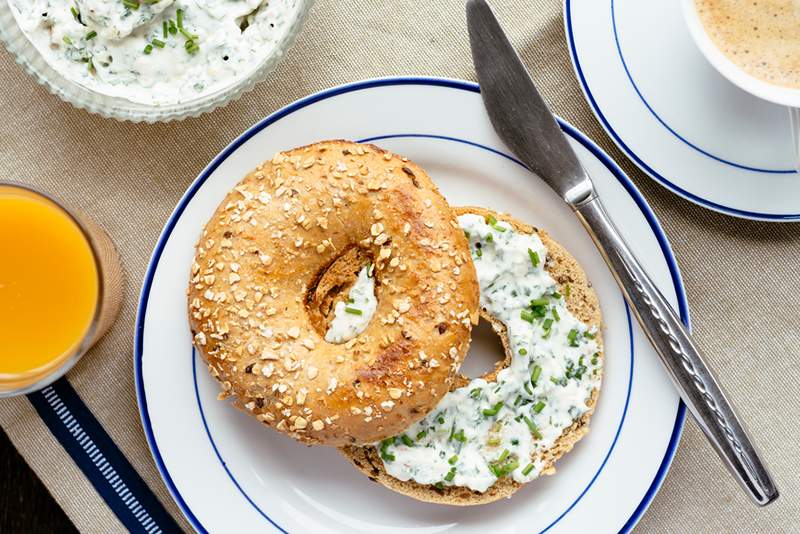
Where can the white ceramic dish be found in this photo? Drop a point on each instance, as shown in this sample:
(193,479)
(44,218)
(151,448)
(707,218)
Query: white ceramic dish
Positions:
(675,116)
(26,54)
(228,473)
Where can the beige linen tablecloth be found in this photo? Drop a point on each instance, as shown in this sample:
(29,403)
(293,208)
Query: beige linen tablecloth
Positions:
(741,277)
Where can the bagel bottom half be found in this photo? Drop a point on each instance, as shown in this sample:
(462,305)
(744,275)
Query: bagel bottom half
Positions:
(582,303)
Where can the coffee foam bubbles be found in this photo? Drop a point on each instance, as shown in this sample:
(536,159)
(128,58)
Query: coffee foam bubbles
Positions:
(762,37)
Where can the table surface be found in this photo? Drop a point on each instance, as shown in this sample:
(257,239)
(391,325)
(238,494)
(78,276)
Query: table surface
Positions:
(25,504)
(741,276)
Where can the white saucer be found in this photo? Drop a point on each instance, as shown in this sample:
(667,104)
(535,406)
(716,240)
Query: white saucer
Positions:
(675,116)
(228,473)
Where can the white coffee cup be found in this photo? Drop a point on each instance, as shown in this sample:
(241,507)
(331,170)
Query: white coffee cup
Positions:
(786,96)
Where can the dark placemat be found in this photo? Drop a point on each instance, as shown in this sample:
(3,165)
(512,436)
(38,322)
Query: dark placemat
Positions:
(25,504)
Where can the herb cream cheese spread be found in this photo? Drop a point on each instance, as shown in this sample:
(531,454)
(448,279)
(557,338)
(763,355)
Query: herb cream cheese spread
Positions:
(352,317)
(488,430)
(155,52)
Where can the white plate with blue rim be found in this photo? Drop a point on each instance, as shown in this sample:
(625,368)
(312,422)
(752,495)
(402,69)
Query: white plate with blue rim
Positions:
(675,116)
(229,473)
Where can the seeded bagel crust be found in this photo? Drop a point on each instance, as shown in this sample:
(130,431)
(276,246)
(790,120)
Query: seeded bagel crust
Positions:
(582,303)
(285,245)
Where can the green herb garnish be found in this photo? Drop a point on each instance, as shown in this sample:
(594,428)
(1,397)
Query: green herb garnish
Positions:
(492,221)
(539,308)
(527,470)
(488,412)
(450,474)
(535,374)
(572,337)
(510,466)
(191,47)
(189,36)
(499,469)
(534,257)
(385,454)
(573,372)
(532,427)
(547,325)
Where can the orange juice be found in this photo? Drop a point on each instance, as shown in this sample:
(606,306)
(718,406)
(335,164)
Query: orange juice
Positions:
(49,283)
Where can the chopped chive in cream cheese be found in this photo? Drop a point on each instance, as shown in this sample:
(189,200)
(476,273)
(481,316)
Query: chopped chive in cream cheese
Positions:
(488,430)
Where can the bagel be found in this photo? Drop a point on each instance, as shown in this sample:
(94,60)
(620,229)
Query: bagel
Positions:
(281,254)
(498,472)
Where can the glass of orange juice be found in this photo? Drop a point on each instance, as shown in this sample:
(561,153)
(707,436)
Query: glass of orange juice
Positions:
(60,288)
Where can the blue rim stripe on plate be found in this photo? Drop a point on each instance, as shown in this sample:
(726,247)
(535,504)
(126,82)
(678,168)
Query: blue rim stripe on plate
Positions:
(98,457)
(633,156)
(630,338)
(322,95)
(222,461)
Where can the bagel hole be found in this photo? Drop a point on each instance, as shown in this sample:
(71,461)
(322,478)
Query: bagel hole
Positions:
(332,285)
(485,351)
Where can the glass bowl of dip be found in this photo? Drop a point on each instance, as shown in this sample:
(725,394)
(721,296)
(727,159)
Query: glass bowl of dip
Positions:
(60,83)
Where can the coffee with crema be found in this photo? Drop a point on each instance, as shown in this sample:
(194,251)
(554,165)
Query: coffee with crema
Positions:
(761,36)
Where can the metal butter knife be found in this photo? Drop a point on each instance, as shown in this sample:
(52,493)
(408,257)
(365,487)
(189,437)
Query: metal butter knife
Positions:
(523,121)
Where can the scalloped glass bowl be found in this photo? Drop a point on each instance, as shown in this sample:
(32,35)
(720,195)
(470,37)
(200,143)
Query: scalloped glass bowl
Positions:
(31,60)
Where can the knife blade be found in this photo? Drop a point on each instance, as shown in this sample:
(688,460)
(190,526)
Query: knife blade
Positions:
(523,121)
(515,115)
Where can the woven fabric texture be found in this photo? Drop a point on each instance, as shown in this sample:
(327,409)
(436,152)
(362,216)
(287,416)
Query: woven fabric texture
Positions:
(741,277)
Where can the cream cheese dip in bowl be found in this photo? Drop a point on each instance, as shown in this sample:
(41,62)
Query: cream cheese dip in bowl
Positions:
(150,60)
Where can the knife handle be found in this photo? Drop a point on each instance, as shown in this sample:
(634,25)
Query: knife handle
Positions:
(686,366)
